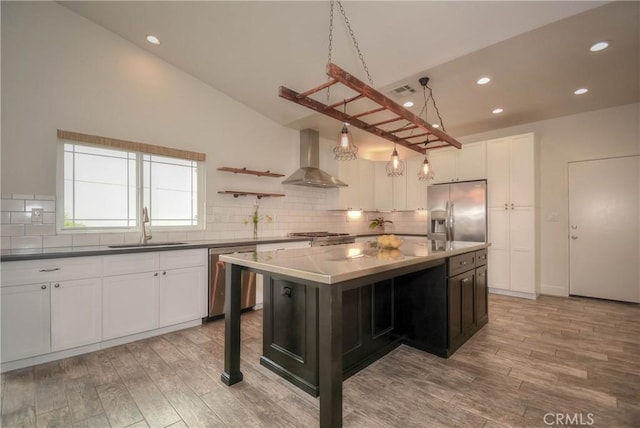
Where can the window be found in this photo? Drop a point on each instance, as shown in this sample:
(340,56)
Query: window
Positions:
(106,188)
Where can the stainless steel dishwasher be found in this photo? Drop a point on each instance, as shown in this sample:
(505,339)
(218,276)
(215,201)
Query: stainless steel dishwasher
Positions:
(217,281)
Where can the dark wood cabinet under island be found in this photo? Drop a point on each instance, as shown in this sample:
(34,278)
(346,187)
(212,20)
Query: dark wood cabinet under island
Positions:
(331,311)
(435,309)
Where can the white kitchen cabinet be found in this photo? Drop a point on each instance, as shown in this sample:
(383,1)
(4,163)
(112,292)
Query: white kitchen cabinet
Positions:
(182,295)
(129,304)
(390,192)
(359,194)
(47,305)
(183,286)
(467,163)
(76,313)
(26,322)
(416,189)
(511,190)
(170,287)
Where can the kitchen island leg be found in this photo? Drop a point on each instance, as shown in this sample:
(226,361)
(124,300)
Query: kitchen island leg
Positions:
(330,355)
(233,283)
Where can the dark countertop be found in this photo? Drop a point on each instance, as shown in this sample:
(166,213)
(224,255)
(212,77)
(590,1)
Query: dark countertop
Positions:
(99,250)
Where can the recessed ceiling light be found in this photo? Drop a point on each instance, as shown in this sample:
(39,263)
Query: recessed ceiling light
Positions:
(483,80)
(598,46)
(435,125)
(581,91)
(408,104)
(497,111)
(153,39)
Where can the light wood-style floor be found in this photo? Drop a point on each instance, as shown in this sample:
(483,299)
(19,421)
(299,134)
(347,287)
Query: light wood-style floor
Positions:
(575,357)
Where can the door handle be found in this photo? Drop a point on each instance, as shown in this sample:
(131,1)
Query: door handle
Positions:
(511,206)
(50,270)
(574,237)
(506,207)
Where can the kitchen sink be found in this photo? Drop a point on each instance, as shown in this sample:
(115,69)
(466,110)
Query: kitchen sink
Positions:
(148,244)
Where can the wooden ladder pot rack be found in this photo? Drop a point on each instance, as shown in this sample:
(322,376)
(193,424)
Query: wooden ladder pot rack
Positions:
(338,75)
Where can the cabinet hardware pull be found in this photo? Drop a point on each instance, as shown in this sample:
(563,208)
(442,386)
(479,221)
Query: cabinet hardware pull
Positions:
(506,207)
(164,273)
(465,280)
(155,274)
(44,287)
(511,206)
(464,262)
(57,285)
(49,270)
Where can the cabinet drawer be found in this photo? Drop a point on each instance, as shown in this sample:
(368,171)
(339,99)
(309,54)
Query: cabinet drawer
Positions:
(50,270)
(481,257)
(183,258)
(461,263)
(131,263)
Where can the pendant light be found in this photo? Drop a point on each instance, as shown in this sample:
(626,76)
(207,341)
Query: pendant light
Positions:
(345,149)
(395,167)
(426,171)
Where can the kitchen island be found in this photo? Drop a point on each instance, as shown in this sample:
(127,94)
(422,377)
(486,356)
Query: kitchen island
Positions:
(426,272)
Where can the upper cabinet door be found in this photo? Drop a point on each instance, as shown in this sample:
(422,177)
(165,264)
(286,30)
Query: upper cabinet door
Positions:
(521,170)
(383,188)
(472,162)
(367,178)
(443,162)
(498,173)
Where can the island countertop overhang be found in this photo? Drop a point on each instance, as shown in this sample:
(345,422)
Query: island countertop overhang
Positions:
(339,263)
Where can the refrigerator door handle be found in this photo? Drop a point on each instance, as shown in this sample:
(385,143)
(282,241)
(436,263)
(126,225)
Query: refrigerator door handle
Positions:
(446,221)
(450,221)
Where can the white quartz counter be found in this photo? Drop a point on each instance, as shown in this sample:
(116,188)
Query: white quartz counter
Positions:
(337,263)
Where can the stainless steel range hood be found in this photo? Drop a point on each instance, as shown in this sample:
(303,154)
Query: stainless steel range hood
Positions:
(309,173)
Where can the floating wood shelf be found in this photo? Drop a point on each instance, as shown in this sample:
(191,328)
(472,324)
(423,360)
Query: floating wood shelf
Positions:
(250,172)
(237,193)
(399,113)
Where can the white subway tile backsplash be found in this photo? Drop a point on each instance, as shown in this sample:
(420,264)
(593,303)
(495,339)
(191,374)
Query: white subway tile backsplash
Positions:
(196,236)
(40,229)
(6,217)
(48,206)
(111,238)
(85,239)
(57,241)
(12,229)
(20,217)
(20,196)
(49,218)
(12,205)
(45,197)
(24,242)
(5,243)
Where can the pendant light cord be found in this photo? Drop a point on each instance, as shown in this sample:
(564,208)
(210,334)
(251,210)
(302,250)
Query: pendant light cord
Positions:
(353,38)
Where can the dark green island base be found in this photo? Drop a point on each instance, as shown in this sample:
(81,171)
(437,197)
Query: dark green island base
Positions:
(436,309)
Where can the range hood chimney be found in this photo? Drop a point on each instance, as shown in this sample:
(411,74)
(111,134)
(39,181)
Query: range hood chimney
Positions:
(309,173)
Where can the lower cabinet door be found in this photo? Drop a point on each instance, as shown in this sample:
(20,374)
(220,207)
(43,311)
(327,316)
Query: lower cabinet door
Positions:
(25,321)
(76,313)
(183,295)
(482,309)
(129,304)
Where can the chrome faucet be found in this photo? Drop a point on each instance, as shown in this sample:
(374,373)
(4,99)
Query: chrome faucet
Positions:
(146,226)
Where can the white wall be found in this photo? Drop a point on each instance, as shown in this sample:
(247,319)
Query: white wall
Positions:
(60,70)
(598,134)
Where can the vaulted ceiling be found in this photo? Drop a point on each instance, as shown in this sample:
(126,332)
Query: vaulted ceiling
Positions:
(536,54)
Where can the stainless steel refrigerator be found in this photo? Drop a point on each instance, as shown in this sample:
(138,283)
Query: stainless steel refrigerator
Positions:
(458,211)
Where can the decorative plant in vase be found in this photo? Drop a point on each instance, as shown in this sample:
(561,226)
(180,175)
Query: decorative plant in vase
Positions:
(255,218)
(378,224)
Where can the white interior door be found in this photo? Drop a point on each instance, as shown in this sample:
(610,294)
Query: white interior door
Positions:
(604,228)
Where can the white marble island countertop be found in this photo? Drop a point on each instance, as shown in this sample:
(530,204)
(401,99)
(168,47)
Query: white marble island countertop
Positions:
(337,263)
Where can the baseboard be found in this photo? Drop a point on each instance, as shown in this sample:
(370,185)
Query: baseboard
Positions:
(532,296)
(53,356)
(554,290)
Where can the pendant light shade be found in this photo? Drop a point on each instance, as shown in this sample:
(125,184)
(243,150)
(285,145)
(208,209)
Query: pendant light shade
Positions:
(345,149)
(395,167)
(426,171)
